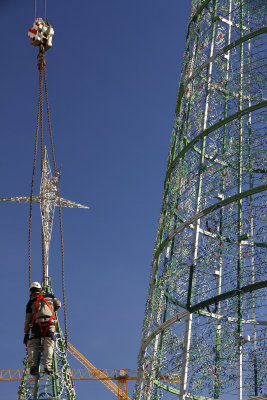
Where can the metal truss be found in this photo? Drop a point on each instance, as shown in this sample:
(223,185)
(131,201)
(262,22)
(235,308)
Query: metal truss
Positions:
(48,200)
(60,385)
(205,325)
(78,374)
(119,390)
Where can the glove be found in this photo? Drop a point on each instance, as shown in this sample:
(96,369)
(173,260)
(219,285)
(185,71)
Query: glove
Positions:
(26,338)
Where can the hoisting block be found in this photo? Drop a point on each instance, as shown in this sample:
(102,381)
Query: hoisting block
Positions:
(41,33)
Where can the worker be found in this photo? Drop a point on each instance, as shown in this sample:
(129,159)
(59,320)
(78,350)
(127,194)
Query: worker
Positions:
(41,321)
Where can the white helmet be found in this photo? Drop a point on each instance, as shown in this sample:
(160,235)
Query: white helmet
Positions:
(35,285)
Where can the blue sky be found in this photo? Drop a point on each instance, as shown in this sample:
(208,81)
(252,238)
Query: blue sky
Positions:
(113,74)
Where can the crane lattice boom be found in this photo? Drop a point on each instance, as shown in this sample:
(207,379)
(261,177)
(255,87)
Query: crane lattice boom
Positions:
(122,395)
(78,374)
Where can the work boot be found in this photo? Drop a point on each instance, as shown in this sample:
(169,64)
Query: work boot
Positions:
(48,371)
(33,370)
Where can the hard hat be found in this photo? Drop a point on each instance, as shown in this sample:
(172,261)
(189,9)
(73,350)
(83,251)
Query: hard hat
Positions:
(35,285)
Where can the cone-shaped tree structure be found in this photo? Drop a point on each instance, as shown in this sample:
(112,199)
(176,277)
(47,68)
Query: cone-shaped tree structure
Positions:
(204,329)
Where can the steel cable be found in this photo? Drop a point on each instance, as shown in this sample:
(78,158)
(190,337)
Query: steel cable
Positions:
(32,184)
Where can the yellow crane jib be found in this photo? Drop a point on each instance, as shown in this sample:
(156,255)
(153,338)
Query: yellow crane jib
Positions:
(119,390)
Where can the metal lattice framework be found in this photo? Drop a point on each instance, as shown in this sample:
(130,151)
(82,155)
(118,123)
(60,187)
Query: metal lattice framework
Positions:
(48,200)
(78,374)
(205,322)
(60,385)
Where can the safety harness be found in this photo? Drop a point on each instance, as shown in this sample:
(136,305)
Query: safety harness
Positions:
(44,326)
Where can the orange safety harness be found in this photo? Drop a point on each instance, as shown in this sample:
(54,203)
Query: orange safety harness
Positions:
(44,326)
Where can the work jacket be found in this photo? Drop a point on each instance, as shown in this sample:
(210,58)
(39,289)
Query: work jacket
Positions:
(43,311)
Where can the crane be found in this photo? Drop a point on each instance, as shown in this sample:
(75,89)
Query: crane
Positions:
(78,374)
(106,376)
(120,389)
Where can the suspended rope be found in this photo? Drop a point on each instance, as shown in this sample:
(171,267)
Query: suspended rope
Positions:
(42,73)
(32,183)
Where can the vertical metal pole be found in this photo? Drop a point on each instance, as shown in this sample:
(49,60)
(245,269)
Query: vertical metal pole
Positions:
(188,327)
(240,173)
(188,324)
(45,210)
(187,340)
(252,269)
(218,328)
(252,255)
